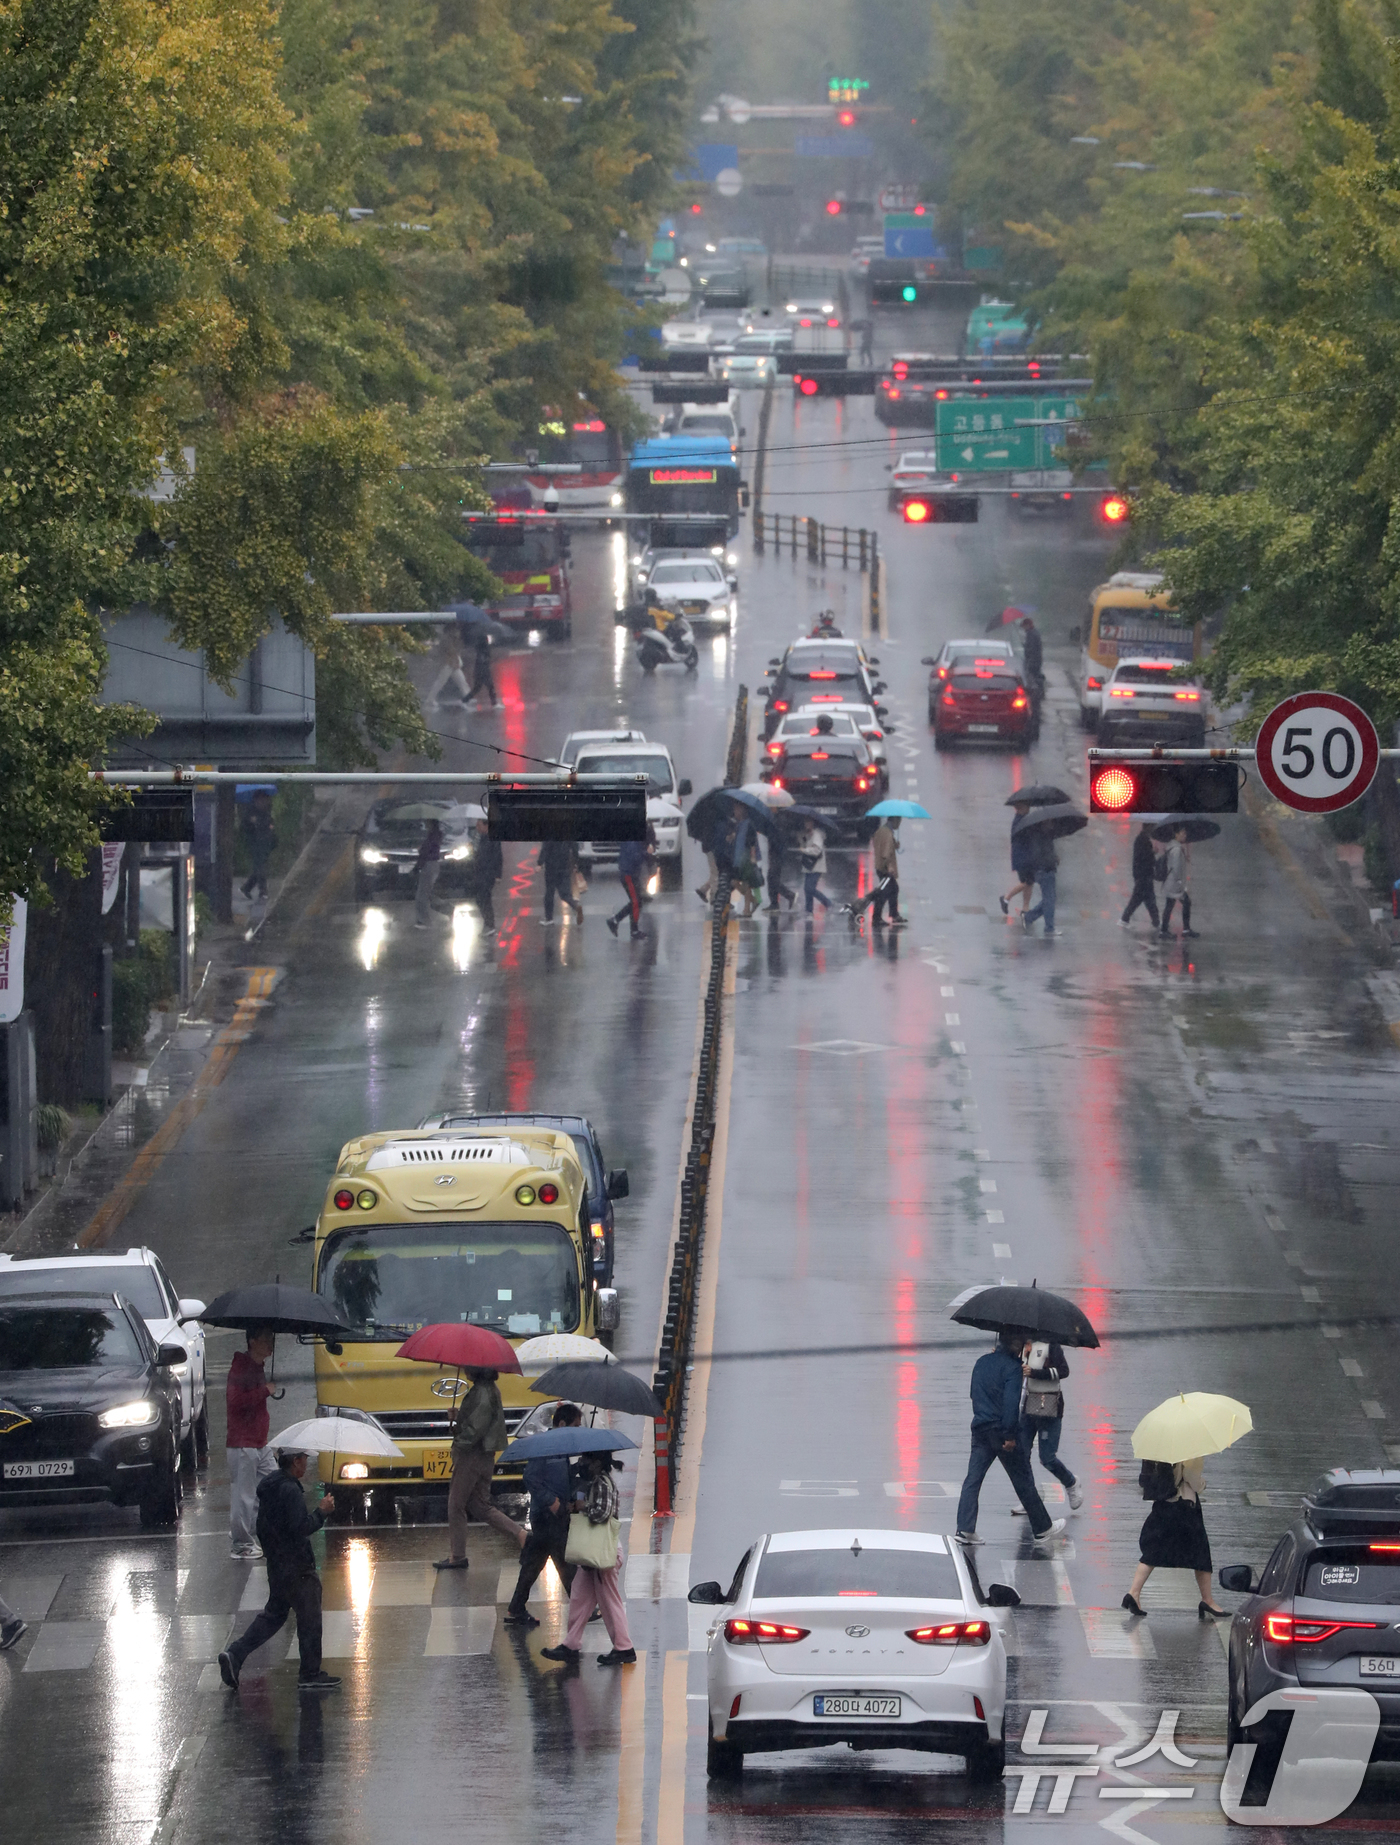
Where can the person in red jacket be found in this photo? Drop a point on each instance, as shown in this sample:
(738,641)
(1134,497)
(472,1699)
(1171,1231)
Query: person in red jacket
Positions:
(249,1459)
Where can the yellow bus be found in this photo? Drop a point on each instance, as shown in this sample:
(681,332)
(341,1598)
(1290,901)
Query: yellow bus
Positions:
(422,1226)
(1130,615)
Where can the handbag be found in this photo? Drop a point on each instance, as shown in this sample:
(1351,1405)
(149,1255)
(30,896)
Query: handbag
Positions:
(591,1546)
(1044,1400)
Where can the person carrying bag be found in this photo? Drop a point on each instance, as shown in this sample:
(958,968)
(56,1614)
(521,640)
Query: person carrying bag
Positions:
(1043,1412)
(594,1546)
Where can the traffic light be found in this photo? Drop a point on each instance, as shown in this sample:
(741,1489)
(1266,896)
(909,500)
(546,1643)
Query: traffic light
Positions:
(939,509)
(833,208)
(846,118)
(1164,787)
(1115,509)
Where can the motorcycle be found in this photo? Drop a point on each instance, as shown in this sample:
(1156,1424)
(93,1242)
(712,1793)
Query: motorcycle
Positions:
(824,628)
(673,645)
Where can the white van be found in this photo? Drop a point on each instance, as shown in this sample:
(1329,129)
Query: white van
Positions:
(711,420)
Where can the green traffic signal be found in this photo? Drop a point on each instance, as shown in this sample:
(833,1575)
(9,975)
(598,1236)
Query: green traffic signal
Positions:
(909,292)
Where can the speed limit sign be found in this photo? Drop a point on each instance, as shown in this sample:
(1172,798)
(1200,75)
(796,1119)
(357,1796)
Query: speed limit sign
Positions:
(1317,752)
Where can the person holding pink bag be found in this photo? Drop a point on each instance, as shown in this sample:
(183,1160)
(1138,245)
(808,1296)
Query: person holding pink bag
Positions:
(594,1547)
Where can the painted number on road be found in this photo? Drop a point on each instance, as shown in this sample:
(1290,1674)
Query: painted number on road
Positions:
(1317,752)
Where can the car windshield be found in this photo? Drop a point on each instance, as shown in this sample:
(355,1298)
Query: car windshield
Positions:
(133,1281)
(410,818)
(822,663)
(388,1281)
(1146,675)
(656,769)
(60,1338)
(805,725)
(1357,1573)
(922,462)
(687,573)
(816,761)
(985,680)
(917,1575)
(574,744)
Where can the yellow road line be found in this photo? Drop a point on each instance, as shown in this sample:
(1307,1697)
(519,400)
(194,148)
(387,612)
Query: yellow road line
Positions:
(127,1190)
(632,1757)
(670,1817)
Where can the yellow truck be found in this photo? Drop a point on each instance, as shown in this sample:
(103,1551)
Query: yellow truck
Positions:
(489,1227)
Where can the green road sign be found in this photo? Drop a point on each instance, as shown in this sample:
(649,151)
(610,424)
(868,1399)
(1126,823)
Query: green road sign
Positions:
(977,435)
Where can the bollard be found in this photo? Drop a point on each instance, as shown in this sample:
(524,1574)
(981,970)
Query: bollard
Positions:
(663,1467)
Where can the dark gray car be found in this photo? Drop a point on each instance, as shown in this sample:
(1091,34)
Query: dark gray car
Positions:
(1325,1611)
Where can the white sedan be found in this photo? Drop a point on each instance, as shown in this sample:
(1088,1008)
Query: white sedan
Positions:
(879,1639)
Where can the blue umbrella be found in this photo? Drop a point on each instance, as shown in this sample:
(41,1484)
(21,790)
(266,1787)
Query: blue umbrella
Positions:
(566,1441)
(901,810)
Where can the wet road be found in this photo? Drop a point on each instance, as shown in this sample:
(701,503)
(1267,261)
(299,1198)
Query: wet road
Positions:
(1199,1146)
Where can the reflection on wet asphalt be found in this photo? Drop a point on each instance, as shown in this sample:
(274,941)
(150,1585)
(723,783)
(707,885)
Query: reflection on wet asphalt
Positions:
(1199,1146)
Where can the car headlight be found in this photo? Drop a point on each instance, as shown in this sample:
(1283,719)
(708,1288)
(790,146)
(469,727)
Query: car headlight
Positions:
(458,853)
(615,499)
(669,823)
(371,855)
(138,1415)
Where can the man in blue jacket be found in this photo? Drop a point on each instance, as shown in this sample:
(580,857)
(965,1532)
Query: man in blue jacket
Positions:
(547,1482)
(632,870)
(996,1436)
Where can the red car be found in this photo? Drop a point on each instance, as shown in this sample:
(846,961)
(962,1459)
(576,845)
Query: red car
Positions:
(984,704)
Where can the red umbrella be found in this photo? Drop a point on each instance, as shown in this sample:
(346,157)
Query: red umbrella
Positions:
(453,1342)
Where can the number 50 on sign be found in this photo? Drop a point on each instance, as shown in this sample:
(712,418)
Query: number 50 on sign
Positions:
(1317,752)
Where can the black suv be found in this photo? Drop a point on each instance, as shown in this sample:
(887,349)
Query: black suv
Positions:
(1326,1611)
(820,672)
(833,776)
(89,1408)
(603,1185)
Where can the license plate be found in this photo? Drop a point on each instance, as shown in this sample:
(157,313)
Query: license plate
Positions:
(405,871)
(983,730)
(1385,1665)
(38,1470)
(825,1704)
(437,1463)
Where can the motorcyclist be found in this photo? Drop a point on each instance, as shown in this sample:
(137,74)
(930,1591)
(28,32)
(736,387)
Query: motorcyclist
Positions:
(825,628)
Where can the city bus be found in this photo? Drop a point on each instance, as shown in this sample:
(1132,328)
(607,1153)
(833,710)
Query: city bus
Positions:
(589,444)
(419,1226)
(686,488)
(1130,614)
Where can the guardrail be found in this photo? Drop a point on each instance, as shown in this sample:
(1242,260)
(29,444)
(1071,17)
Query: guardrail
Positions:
(678,1328)
(823,544)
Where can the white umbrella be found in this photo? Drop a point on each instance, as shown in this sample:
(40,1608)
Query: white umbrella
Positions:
(338,1435)
(770,796)
(547,1349)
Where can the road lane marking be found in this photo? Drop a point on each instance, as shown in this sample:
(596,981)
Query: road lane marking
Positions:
(123,1195)
(670,1817)
(1110,1636)
(455,1633)
(632,1755)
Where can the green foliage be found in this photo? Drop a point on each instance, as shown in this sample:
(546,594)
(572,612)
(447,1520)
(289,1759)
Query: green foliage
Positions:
(54,1125)
(131,1006)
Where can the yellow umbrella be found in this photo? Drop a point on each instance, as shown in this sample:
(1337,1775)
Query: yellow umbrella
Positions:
(1189,1424)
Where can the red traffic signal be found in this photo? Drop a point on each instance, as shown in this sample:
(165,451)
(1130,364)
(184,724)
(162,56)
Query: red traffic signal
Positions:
(833,208)
(1115,509)
(1164,788)
(806,385)
(846,118)
(917,512)
(696,209)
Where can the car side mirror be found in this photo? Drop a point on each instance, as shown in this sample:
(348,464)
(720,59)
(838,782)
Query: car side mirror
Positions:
(1239,1577)
(889,467)
(928,660)
(334,1347)
(882,712)
(618,1184)
(171,1355)
(880,686)
(683,788)
(1074,634)
(707,1595)
(888,728)
(189,1309)
(773,660)
(742,430)
(1002,1595)
(733,582)
(873,659)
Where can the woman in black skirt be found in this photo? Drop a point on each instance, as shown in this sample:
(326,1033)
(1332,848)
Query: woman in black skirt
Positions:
(1173,1537)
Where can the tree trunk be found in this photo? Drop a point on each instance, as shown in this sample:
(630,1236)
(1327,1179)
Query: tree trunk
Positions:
(64,941)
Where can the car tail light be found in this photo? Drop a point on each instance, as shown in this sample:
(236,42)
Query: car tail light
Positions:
(952,1633)
(821,675)
(762,1633)
(344,1201)
(894,390)
(780,704)
(1188,697)
(1018,703)
(901,370)
(1120,691)
(1383,1547)
(775,749)
(1093,685)
(943,671)
(1287,1629)
(948,699)
(861,784)
(776,781)
(833,322)
(734,1707)
(977,1706)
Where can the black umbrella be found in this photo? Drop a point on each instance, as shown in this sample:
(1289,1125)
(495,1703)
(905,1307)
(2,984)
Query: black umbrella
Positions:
(710,810)
(1043,794)
(276,1306)
(798,812)
(1194,827)
(1056,822)
(1029,1310)
(604,1386)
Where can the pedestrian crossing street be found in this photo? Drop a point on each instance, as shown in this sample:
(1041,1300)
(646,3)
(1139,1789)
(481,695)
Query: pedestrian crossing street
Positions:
(400,1610)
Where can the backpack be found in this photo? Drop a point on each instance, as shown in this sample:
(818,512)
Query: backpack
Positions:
(1157,1480)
